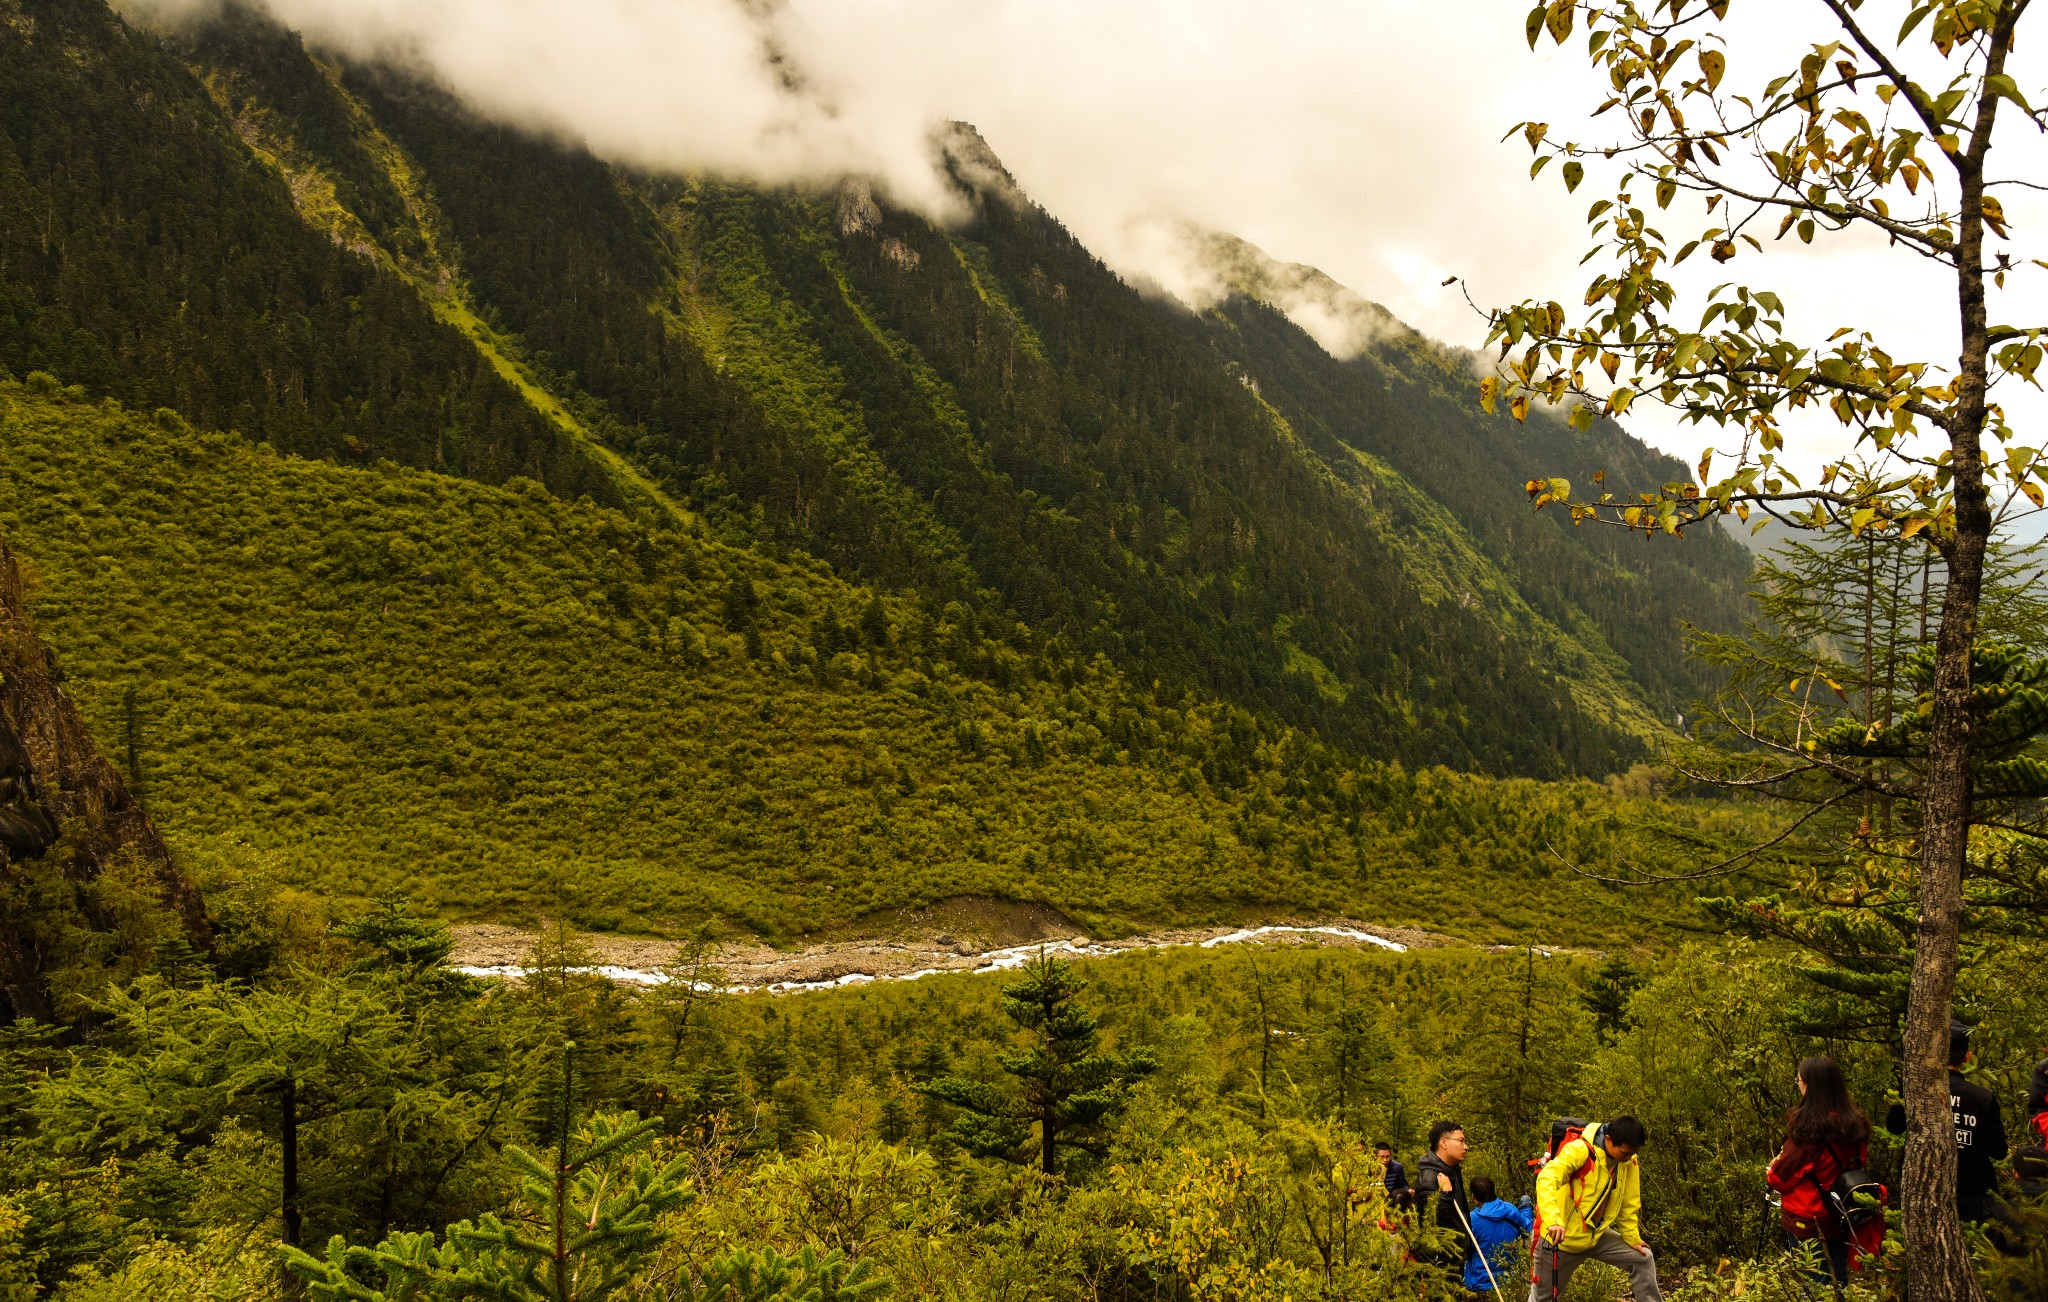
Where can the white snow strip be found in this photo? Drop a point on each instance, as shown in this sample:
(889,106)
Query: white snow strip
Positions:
(995,960)
(1348,933)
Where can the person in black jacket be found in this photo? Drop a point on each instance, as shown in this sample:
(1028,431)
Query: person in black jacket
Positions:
(1441,1181)
(1980,1131)
(2030,1171)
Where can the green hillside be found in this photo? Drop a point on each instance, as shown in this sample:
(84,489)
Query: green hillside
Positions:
(984,414)
(363,680)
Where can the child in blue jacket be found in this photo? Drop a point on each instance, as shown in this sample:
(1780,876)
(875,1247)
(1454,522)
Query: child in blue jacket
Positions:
(1498,1225)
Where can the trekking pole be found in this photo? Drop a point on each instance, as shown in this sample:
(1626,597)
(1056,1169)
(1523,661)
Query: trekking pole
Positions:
(1483,1262)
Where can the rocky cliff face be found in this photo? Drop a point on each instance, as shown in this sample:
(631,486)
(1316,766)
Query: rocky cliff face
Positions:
(84,877)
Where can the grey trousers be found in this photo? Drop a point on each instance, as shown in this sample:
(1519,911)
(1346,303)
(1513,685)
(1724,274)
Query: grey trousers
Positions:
(1610,1248)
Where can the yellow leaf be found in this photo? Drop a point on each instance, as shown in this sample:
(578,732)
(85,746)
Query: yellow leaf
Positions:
(1559,19)
(1519,408)
(1713,66)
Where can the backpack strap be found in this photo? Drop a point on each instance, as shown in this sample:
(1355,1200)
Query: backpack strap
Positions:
(1590,1135)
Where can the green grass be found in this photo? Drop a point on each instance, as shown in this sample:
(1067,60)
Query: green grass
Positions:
(359,680)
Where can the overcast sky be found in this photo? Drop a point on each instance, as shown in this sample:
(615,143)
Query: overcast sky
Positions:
(1362,136)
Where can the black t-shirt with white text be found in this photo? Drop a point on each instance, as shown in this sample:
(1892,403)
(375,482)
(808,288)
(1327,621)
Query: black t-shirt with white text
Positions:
(1980,1135)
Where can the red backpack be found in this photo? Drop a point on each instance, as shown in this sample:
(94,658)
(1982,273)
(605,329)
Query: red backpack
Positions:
(1562,1131)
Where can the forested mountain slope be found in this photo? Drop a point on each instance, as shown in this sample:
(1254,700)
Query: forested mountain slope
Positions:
(145,252)
(343,262)
(1394,394)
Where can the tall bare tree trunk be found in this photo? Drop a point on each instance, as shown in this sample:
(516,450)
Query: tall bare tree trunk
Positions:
(1048,1143)
(288,1129)
(1937,1258)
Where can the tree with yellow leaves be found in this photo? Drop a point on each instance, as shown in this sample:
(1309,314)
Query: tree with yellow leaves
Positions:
(1888,127)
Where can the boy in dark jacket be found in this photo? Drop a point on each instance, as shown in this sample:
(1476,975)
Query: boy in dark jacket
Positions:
(1399,1195)
(1499,1226)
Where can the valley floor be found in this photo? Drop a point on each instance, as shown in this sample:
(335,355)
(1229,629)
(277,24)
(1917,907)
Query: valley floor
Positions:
(977,936)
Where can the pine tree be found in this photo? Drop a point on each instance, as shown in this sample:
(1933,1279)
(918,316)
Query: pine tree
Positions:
(285,1060)
(1607,995)
(1827,710)
(1065,1089)
(587,1220)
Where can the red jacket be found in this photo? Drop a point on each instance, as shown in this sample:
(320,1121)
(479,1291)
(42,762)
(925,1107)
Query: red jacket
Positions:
(1802,1173)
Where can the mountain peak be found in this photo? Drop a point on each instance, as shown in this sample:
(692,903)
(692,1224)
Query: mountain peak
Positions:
(1342,320)
(964,156)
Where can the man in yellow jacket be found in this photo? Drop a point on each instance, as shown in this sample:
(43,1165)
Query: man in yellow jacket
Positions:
(1589,1201)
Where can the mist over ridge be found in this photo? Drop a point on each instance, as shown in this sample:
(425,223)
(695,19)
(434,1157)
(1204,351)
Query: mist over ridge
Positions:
(777,93)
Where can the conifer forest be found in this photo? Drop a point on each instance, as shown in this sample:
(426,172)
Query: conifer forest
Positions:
(579,728)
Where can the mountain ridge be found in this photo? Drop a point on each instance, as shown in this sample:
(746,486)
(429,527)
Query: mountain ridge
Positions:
(982,414)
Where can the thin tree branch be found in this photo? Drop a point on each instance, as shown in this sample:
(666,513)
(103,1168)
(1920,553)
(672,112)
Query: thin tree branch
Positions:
(1721,869)
(1914,97)
(1933,249)
(1999,334)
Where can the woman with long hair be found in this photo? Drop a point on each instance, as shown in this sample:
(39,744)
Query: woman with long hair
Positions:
(1825,1135)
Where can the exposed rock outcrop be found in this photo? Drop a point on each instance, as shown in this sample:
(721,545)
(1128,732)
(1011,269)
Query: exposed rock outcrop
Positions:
(75,846)
(974,168)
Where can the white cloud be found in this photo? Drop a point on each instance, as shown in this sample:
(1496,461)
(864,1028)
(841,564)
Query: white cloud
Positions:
(1360,136)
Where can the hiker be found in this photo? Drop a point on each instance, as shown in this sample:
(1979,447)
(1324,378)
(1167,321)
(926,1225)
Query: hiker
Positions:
(2030,1171)
(1589,1200)
(1980,1130)
(1826,1136)
(2008,1229)
(2037,1102)
(1399,1194)
(1498,1225)
(1441,1179)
